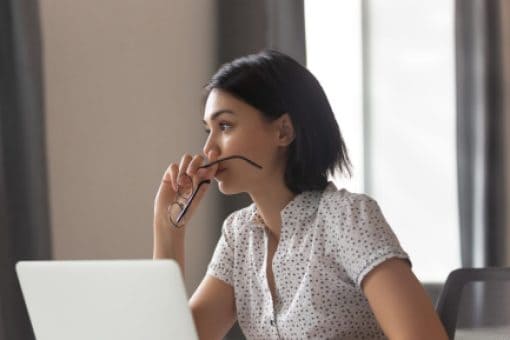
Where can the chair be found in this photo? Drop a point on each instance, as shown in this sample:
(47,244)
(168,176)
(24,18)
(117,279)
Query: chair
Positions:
(476,303)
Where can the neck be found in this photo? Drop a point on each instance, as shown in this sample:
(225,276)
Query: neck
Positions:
(270,200)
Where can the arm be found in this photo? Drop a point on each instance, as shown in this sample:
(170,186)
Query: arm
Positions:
(212,304)
(400,304)
(168,242)
(213,308)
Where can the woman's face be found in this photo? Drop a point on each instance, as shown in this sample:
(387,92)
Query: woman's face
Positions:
(236,128)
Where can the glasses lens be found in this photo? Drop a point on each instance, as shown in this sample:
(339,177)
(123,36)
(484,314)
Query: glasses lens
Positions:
(185,189)
(173,212)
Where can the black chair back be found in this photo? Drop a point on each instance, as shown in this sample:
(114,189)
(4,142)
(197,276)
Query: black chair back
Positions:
(476,301)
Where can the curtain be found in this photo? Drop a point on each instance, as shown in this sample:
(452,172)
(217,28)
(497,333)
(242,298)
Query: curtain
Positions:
(24,216)
(244,27)
(483,155)
(481,151)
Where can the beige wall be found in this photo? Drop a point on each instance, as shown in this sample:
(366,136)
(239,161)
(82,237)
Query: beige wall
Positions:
(123,83)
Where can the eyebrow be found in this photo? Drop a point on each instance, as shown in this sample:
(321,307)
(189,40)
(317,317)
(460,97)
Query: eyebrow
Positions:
(217,113)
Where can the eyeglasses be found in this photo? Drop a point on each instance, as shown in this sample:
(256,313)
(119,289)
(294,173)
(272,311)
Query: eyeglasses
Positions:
(186,193)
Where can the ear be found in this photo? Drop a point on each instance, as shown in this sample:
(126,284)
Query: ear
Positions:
(285,130)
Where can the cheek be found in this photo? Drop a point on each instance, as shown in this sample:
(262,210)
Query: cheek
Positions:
(255,146)
(240,141)
(251,142)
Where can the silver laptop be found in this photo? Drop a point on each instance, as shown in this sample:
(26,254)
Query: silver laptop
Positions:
(106,299)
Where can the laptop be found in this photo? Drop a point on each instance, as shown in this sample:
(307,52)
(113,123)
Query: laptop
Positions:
(106,300)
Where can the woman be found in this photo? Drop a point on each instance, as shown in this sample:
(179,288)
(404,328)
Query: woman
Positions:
(305,260)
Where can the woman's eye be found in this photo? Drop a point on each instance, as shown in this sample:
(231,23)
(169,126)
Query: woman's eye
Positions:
(225,126)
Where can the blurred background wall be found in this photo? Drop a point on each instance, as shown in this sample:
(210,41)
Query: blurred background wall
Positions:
(123,84)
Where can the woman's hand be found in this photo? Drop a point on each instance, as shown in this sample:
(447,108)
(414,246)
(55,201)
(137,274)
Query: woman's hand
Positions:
(167,192)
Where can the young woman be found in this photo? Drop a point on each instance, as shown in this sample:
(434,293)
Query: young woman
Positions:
(305,260)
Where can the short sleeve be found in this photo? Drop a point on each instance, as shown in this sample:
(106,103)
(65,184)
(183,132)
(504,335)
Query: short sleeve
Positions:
(366,239)
(222,262)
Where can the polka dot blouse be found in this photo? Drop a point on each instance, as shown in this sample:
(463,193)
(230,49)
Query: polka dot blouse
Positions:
(328,242)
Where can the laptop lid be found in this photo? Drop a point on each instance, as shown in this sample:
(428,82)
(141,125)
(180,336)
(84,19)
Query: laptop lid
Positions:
(106,299)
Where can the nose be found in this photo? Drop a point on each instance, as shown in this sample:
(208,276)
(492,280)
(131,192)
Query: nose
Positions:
(211,150)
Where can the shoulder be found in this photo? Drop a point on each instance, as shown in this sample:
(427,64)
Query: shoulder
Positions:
(351,214)
(239,220)
(241,216)
(357,234)
(341,202)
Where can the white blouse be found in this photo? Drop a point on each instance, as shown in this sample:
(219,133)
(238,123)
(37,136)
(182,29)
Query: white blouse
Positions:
(329,241)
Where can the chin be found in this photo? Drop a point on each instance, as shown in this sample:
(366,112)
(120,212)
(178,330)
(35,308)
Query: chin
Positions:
(228,190)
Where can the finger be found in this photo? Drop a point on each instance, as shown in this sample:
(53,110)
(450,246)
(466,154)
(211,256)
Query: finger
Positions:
(166,174)
(185,160)
(208,172)
(174,172)
(194,164)
(165,192)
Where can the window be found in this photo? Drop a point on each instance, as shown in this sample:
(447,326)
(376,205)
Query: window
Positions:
(334,56)
(388,70)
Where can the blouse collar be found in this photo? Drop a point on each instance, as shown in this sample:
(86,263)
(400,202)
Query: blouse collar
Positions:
(300,209)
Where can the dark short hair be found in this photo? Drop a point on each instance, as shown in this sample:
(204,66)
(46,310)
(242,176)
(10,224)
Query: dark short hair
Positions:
(275,84)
